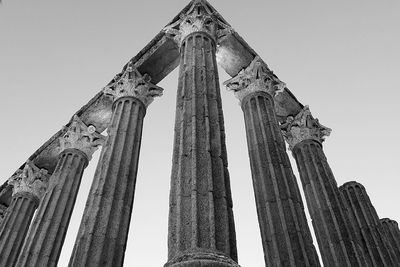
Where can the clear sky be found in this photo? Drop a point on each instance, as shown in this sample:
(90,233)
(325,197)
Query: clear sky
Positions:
(339,57)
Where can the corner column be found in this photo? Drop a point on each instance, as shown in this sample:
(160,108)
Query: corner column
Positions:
(392,231)
(201,229)
(102,236)
(284,230)
(46,236)
(305,135)
(29,186)
(366,222)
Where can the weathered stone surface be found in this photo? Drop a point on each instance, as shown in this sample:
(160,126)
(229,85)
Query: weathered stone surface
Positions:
(367,225)
(285,234)
(392,231)
(337,245)
(201,228)
(5,199)
(28,188)
(47,233)
(104,227)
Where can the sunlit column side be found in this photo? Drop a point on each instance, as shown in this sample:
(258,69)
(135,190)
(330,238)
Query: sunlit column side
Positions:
(47,233)
(201,228)
(366,222)
(102,236)
(29,186)
(392,231)
(284,230)
(337,244)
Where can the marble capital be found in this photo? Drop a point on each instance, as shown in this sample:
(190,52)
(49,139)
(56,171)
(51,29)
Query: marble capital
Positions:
(132,83)
(304,127)
(31,180)
(82,137)
(255,78)
(198,18)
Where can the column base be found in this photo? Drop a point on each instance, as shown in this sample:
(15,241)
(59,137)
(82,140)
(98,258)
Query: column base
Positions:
(201,259)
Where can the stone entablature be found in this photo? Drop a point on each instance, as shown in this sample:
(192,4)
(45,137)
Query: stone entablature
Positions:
(31,180)
(82,137)
(132,83)
(199,18)
(257,77)
(304,127)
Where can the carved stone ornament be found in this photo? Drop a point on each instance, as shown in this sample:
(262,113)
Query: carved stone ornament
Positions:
(199,18)
(81,137)
(30,180)
(303,127)
(132,83)
(256,77)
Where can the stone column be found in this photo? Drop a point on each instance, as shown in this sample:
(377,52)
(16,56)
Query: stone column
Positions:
(5,199)
(201,229)
(375,245)
(46,235)
(392,231)
(337,246)
(284,230)
(29,186)
(102,236)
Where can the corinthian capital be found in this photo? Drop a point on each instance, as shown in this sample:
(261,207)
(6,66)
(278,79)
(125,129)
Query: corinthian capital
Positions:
(304,127)
(132,83)
(81,137)
(31,180)
(198,18)
(256,77)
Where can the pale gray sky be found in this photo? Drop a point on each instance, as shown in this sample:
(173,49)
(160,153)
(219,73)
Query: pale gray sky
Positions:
(340,57)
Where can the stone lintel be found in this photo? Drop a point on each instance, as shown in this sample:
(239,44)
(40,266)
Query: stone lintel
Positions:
(303,127)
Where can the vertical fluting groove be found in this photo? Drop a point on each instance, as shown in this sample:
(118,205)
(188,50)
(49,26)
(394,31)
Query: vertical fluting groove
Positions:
(15,226)
(102,235)
(211,211)
(46,236)
(284,230)
(201,230)
(374,243)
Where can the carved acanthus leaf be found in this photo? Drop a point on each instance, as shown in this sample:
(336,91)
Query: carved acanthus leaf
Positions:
(256,77)
(30,180)
(303,127)
(82,137)
(132,83)
(198,18)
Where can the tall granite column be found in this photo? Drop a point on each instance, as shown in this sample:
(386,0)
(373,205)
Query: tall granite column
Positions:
(375,245)
(102,236)
(337,246)
(29,186)
(47,233)
(201,229)
(284,230)
(392,231)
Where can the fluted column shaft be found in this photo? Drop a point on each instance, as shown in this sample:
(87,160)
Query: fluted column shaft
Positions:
(392,231)
(103,232)
(15,226)
(201,227)
(285,234)
(375,245)
(3,209)
(28,187)
(333,234)
(47,233)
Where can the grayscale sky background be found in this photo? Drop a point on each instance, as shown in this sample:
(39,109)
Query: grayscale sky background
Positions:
(340,57)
